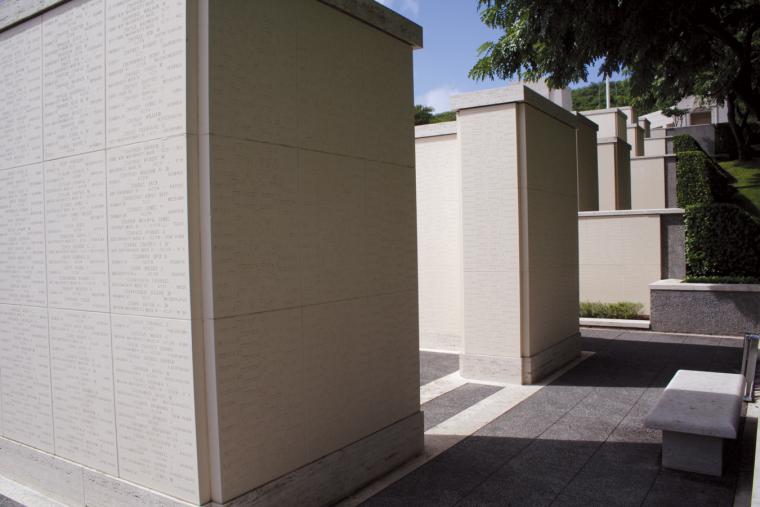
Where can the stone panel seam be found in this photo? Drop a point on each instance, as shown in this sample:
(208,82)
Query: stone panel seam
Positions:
(310,305)
(108,241)
(44,228)
(297,147)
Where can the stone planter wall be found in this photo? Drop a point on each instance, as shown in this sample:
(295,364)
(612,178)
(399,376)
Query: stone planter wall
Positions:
(704,308)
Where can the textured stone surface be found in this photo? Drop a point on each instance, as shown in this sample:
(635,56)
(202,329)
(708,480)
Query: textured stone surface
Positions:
(582,440)
(673,254)
(705,312)
(435,365)
(447,405)
(671,196)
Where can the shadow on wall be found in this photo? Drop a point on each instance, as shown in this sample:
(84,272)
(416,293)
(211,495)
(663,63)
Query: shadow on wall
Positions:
(748,307)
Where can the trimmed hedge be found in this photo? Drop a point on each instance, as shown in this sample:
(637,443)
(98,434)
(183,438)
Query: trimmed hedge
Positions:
(721,240)
(684,142)
(622,310)
(700,180)
(722,279)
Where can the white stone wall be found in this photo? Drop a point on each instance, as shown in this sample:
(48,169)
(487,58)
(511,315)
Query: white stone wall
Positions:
(312,308)
(619,256)
(96,342)
(648,182)
(491,231)
(439,242)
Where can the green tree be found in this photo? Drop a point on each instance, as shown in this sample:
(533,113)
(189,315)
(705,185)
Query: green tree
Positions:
(426,114)
(592,96)
(669,48)
(444,116)
(422,114)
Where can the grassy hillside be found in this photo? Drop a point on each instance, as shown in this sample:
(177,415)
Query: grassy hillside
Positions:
(747,175)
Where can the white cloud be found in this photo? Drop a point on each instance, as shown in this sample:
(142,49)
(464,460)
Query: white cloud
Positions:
(438,98)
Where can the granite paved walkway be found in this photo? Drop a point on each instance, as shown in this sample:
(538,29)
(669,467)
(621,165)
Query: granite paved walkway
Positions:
(580,441)
(7,502)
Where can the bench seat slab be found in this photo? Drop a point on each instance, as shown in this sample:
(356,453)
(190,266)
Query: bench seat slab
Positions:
(700,402)
(692,453)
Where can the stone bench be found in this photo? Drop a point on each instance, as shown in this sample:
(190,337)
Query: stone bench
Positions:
(698,411)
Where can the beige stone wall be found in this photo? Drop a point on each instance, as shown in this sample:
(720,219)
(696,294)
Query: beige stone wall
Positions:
(607,179)
(612,122)
(655,146)
(311,289)
(636,140)
(548,232)
(439,242)
(588,178)
(648,179)
(619,256)
(614,174)
(491,231)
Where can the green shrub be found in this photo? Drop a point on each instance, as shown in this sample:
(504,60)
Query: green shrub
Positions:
(721,240)
(684,142)
(622,310)
(722,279)
(700,180)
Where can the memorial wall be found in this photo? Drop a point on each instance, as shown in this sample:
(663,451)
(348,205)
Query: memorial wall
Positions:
(95,322)
(439,236)
(498,243)
(207,253)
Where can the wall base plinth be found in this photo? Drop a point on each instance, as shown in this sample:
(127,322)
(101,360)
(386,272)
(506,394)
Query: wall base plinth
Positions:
(521,370)
(321,482)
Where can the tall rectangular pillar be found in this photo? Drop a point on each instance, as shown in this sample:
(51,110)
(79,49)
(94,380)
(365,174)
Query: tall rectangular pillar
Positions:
(208,281)
(520,234)
(588,178)
(614,157)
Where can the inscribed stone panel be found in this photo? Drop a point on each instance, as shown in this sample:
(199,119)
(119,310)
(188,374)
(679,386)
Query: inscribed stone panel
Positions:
(146,69)
(22,236)
(25,376)
(82,375)
(155,404)
(74,78)
(76,232)
(147,219)
(21,92)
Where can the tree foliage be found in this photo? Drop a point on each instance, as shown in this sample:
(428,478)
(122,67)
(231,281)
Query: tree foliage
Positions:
(426,114)
(422,114)
(669,48)
(593,96)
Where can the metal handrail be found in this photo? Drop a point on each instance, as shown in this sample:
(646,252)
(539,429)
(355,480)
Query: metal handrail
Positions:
(749,364)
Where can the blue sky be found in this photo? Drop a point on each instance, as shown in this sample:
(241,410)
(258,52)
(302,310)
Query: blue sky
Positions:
(452,34)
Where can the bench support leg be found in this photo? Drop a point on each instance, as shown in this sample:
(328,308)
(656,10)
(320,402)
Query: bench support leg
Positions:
(692,453)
